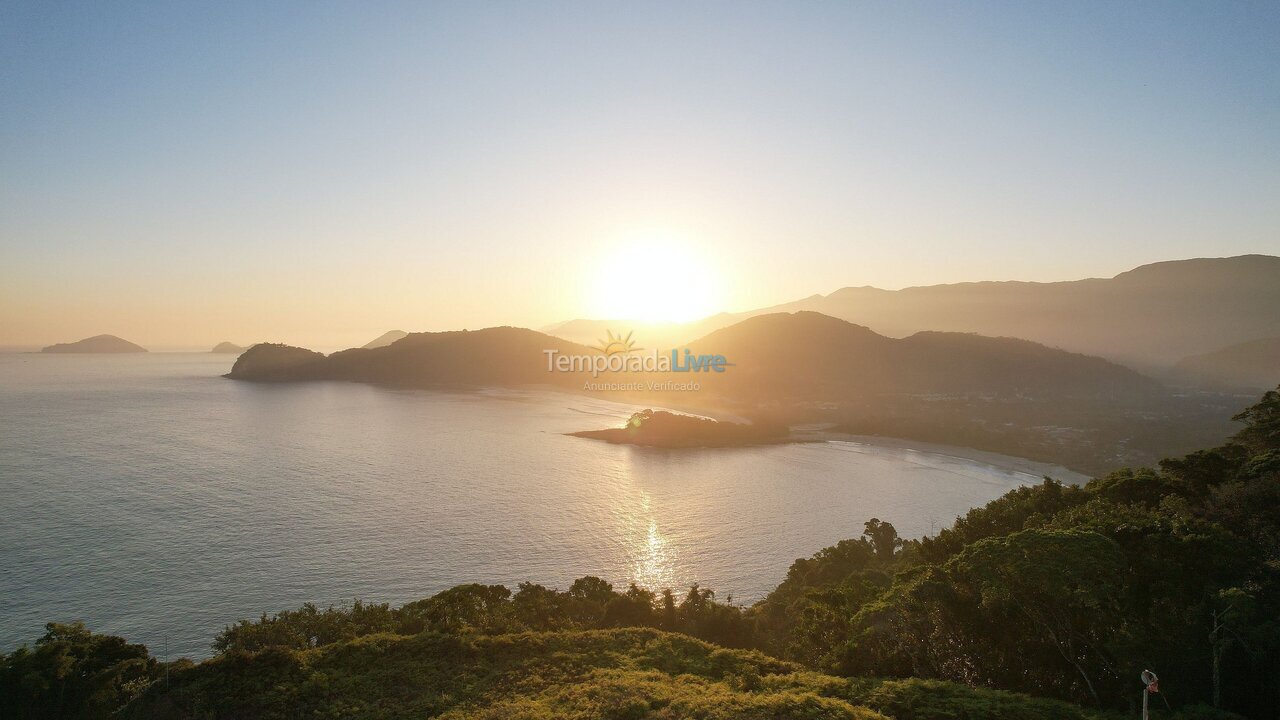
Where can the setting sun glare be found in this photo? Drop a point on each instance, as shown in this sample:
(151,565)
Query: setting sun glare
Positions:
(654,276)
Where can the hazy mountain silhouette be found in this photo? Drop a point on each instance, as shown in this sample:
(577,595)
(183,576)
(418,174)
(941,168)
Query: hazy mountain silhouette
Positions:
(385,339)
(1253,365)
(493,356)
(1001,394)
(815,357)
(96,344)
(650,335)
(1151,316)
(228,348)
(801,356)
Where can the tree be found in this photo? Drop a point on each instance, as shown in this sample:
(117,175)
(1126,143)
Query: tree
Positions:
(1064,585)
(463,608)
(634,608)
(1034,611)
(883,537)
(73,673)
(592,589)
(1262,424)
(1017,509)
(540,608)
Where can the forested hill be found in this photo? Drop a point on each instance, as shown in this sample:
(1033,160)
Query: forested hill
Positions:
(1067,591)
(1250,365)
(492,356)
(1060,592)
(808,356)
(998,394)
(780,358)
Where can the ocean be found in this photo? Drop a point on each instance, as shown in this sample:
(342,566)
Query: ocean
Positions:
(154,499)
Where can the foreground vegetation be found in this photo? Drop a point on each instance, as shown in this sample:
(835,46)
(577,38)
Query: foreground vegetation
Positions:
(1068,592)
(622,673)
(1053,591)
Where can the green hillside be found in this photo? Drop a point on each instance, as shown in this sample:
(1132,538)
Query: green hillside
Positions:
(629,673)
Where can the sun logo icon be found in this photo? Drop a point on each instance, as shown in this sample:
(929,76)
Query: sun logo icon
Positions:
(616,344)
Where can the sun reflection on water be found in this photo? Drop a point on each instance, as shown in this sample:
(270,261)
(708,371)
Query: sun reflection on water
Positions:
(655,556)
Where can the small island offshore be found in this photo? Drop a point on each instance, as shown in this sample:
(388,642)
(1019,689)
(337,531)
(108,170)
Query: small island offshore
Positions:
(659,428)
(96,344)
(228,348)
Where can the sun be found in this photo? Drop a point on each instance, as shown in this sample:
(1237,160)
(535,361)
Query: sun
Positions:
(654,276)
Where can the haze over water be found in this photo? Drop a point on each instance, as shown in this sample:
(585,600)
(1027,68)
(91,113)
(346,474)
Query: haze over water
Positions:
(157,500)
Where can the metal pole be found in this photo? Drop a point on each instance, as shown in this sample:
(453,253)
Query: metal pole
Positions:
(1145,695)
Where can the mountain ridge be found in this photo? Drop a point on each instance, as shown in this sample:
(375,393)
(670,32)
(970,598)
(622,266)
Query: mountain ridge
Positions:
(1251,365)
(760,346)
(1004,395)
(385,339)
(1148,317)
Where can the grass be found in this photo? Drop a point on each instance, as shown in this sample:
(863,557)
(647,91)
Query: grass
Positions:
(625,674)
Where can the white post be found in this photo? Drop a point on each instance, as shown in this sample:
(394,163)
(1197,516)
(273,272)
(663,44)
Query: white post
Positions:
(1145,695)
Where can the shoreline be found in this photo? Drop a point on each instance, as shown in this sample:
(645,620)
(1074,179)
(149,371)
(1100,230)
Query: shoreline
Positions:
(800,434)
(1011,463)
(818,433)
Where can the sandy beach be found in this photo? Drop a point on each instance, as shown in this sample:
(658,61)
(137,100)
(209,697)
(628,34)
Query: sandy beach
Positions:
(818,433)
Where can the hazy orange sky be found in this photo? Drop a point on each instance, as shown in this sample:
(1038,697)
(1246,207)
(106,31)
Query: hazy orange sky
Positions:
(317,173)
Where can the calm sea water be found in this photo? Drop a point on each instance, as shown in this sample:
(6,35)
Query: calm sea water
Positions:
(154,499)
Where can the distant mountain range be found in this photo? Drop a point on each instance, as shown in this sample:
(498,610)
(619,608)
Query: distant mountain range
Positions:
(779,357)
(1253,365)
(96,344)
(1041,370)
(228,348)
(809,356)
(1001,394)
(385,339)
(1149,317)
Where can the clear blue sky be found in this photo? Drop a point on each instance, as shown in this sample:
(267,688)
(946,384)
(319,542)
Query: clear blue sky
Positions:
(182,173)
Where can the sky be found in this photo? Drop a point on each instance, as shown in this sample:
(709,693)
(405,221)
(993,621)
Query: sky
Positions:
(317,173)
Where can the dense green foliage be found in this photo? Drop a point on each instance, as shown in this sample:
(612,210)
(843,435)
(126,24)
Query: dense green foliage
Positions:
(1058,592)
(72,673)
(629,673)
(589,603)
(1069,592)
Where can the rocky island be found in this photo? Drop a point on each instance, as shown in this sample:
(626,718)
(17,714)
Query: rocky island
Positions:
(659,428)
(96,344)
(273,361)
